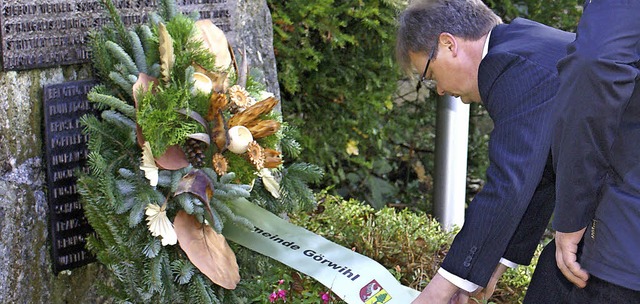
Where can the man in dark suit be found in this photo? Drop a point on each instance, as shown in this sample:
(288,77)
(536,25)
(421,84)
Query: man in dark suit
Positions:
(597,150)
(462,48)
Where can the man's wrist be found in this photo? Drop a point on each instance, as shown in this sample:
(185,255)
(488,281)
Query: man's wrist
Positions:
(458,281)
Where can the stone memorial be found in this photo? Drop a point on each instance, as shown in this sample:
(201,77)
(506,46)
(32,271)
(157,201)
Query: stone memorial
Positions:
(66,154)
(37,34)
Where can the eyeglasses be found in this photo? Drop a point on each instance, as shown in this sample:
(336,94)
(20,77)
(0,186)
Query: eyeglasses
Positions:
(428,83)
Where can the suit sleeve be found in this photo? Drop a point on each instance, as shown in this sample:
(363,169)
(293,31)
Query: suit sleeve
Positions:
(597,79)
(535,220)
(519,102)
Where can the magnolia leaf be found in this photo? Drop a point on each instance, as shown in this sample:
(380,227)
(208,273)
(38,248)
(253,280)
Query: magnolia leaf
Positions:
(149,165)
(199,184)
(207,250)
(215,41)
(203,137)
(172,159)
(196,116)
(167,57)
(142,85)
(139,135)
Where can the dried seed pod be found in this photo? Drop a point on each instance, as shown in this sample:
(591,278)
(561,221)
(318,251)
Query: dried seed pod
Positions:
(264,128)
(253,112)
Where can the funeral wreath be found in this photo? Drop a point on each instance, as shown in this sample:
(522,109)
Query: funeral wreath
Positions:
(185,129)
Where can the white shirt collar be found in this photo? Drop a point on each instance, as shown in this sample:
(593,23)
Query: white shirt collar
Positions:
(486,45)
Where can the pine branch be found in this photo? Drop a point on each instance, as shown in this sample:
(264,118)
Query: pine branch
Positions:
(149,42)
(183,270)
(167,9)
(114,15)
(122,56)
(306,172)
(100,58)
(138,52)
(225,211)
(113,102)
(122,82)
(290,147)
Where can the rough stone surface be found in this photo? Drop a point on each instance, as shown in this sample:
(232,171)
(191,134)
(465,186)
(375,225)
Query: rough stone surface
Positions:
(255,33)
(26,274)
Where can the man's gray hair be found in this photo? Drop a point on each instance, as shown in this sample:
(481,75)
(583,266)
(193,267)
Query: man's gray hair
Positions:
(420,25)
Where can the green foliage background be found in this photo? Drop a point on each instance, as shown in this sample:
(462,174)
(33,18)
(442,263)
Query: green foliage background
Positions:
(339,83)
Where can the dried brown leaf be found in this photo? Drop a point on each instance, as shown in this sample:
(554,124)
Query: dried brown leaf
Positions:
(215,41)
(167,57)
(172,159)
(197,183)
(142,85)
(207,250)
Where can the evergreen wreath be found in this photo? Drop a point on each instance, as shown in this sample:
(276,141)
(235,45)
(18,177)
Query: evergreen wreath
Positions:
(182,133)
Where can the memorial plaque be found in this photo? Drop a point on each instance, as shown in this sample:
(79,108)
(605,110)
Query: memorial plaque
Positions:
(37,34)
(66,154)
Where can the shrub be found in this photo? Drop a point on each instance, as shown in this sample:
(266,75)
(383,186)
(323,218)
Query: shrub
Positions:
(338,77)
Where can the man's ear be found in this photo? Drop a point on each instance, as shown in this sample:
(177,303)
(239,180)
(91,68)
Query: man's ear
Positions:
(448,42)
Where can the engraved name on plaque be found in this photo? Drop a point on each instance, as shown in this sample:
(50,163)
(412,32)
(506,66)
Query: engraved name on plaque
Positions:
(66,154)
(37,34)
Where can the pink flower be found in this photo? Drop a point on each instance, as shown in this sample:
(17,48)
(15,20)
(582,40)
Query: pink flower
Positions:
(280,282)
(325,297)
(273,297)
(282,294)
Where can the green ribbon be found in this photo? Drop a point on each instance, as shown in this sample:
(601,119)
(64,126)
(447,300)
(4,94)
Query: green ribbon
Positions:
(355,278)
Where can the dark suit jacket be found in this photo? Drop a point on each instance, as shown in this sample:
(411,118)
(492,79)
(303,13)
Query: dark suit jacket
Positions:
(597,146)
(517,81)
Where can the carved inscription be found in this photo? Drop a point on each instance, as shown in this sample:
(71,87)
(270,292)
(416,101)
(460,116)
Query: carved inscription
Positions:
(66,155)
(36,34)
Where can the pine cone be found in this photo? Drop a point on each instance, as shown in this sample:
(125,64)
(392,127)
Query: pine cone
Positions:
(195,149)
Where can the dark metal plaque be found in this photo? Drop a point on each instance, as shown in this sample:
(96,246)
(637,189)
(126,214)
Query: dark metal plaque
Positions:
(66,154)
(38,34)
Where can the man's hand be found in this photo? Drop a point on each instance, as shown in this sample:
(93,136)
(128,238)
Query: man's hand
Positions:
(487,292)
(567,258)
(438,291)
